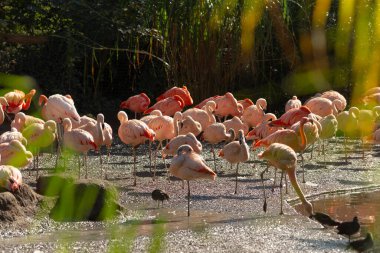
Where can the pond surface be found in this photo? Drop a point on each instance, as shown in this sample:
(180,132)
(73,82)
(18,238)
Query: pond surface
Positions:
(364,205)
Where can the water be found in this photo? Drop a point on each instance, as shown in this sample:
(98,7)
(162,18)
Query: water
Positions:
(364,205)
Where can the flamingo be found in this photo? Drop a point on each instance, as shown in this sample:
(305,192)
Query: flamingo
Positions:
(133,132)
(189,125)
(228,105)
(348,124)
(236,152)
(15,154)
(177,91)
(288,137)
(264,129)
(371,91)
(18,100)
(215,134)
(83,120)
(57,107)
(168,106)
(22,120)
(39,136)
(290,117)
(284,158)
(294,102)
(254,114)
(3,104)
(246,102)
(13,134)
(323,106)
(366,123)
(332,95)
(78,141)
(372,100)
(10,178)
(108,138)
(236,124)
(188,165)
(204,102)
(204,116)
(329,126)
(176,142)
(137,104)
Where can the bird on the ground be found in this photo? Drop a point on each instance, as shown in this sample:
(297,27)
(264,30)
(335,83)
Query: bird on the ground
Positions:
(204,116)
(236,152)
(294,102)
(21,120)
(133,132)
(173,145)
(15,154)
(13,134)
(254,114)
(246,102)
(290,117)
(227,105)
(159,195)
(329,126)
(78,141)
(324,219)
(57,107)
(349,227)
(168,106)
(283,157)
(204,102)
(371,91)
(263,129)
(324,106)
(189,125)
(10,178)
(18,100)
(363,245)
(108,138)
(177,91)
(188,165)
(332,95)
(236,124)
(3,105)
(137,103)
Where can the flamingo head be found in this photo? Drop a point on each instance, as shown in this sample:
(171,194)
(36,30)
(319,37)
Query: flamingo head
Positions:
(145,96)
(184,149)
(122,116)
(124,105)
(12,185)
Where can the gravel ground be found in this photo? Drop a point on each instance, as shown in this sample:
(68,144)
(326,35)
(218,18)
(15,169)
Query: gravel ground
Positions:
(220,220)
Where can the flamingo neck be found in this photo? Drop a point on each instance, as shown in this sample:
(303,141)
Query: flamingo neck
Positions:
(293,180)
(303,136)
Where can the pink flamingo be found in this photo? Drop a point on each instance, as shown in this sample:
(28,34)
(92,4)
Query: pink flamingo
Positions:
(246,102)
(188,165)
(10,178)
(264,129)
(228,105)
(133,132)
(329,126)
(13,134)
(176,142)
(284,158)
(290,117)
(323,106)
(332,95)
(3,104)
(15,154)
(177,91)
(57,107)
(371,91)
(78,141)
(168,106)
(22,121)
(83,120)
(348,124)
(108,138)
(236,124)
(189,125)
(204,102)
(294,102)
(288,137)
(236,152)
(215,134)
(39,136)
(204,116)
(17,100)
(253,115)
(372,100)
(137,104)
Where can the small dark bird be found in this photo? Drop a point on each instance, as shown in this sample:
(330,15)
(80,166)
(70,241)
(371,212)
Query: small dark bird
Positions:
(324,219)
(362,244)
(159,195)
(349,228)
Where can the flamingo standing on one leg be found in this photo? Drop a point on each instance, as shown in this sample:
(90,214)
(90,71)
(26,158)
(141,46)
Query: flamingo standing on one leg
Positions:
(204,116)
(236,152)
(236,124)
(324,106)
(168,106)
(13,134)
(290,117)
(246,102)
(188,165)
(228,105)
(10,178)
(22,121)
(176,142)
(133,132)
(137,104)
(348,123)
(177,91)
(284,158)
(294,102)
(254,114)
(329,126)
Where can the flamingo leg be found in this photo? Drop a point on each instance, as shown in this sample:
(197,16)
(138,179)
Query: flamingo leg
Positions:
(303,169)
(213,153)
(37,161)
(286,185)
(155,162)
(134,166)
(275,177)
(362,148)
(345,148)
(188,198)
(85,164)
(282,175)
(312,149)
(236,177)
(150,156)
(262,182)
(78,166)
(163,157)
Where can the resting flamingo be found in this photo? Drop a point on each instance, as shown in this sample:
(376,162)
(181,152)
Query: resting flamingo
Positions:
(15,154)
(133,132)
(108,138)
(236,152)
(10,178)
(254,114)
(204,116)
(348,124)
(137,103)
(290,117)
(264,129)
(22,121)
(177,91)
(3,104)
(329,126)
(204,102)
(176,142)
(246,102)
(294,102)
(236,124)
(189,125)
(227,105)
(57,107)
(332,95)
(168,106)
(13,134)
(323,106)
(284,158)
(18,100)
(188,165)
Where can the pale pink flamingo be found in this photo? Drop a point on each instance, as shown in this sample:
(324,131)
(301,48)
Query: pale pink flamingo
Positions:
(329,126)
(173,145)
(18,100)
(366,123)
(236,152)
(204,116)
(83,120)
(39,136)
(215,134)
(236,124)
(78,141)
(13,134)
(108,138)
(137,103)
(254,114)
(3,104)
(204,102)
(371,91)
(284,158)
(348,124)
(227,105)
(294,102)
(22,120)
(288,137)
(15,154)
(292,116)
(372,100)
(188,165)
(332,95)
(376,136)
(311,129)
(323,106)
(151,116)
(168,106)
(246,102)
(57,107)
(189,125)
(10,178)
(264,129)
(133,132)
(177,91)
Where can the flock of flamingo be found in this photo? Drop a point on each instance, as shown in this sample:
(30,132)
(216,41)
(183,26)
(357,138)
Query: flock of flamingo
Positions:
(218,119)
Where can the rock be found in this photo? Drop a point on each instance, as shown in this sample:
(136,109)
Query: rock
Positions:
(51,185)
(86,200)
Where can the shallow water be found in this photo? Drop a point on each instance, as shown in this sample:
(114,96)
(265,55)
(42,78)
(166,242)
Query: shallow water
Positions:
(364,205)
